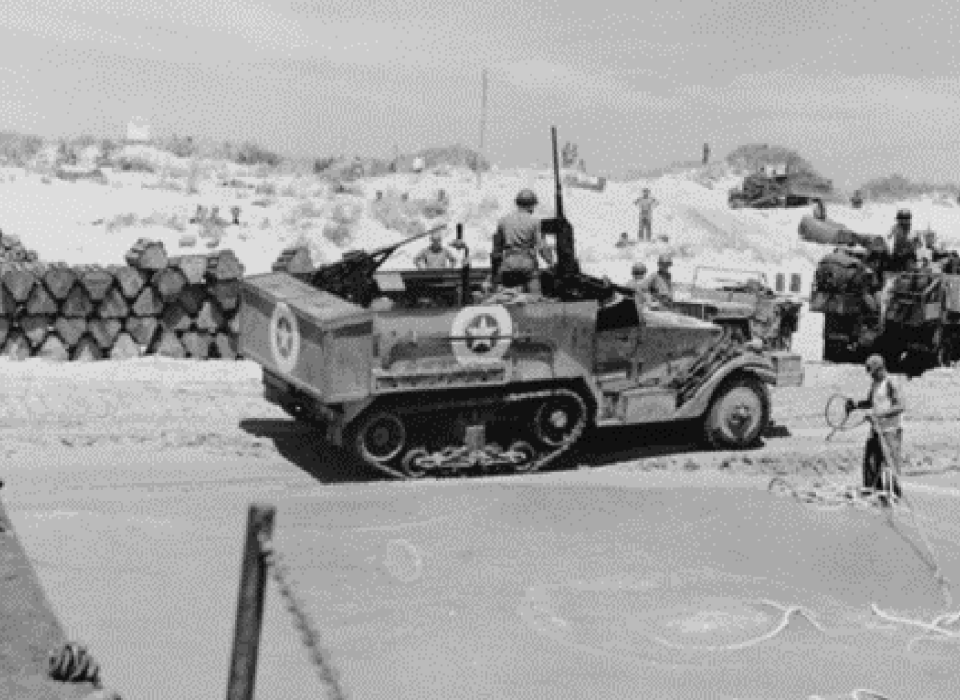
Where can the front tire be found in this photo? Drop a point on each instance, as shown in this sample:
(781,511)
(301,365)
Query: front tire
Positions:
(738,413)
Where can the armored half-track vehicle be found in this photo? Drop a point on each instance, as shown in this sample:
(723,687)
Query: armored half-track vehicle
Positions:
(744,299)
(784,189)
(426,372)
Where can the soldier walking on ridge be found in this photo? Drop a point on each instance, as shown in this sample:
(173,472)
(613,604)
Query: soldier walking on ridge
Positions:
(646,204)
(706,153)
(886,433)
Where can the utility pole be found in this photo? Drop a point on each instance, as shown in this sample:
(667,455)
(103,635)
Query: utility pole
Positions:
(483,127)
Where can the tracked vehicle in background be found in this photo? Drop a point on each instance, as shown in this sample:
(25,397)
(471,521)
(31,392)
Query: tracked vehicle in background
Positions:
(912,319)
(422,372)
(782,189)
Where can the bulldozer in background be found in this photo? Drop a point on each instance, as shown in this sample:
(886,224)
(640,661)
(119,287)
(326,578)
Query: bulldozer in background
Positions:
(779,188)
(425,372)
(912,319)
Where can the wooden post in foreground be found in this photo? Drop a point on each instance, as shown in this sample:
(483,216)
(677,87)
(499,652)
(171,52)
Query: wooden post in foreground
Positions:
(253,585)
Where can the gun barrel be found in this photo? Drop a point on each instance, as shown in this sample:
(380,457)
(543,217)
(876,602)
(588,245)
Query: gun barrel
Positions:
(556,174)
(394,246)
(825,232)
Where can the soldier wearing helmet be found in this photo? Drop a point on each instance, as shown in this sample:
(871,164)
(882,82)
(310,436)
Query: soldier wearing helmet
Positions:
(517,244)
(904,247)
(435,256)
(659,285)
(638,283)
(881,456)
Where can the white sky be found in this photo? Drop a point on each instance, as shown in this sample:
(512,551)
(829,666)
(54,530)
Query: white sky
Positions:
(860,88)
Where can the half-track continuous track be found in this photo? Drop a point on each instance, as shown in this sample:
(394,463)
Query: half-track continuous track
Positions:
(414,440)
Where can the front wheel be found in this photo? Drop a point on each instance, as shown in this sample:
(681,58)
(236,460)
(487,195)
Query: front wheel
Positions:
(738,413)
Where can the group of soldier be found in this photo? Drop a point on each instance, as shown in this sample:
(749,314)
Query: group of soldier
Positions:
(518,246)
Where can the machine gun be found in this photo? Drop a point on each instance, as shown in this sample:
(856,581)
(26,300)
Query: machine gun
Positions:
(351,278)
(565,280)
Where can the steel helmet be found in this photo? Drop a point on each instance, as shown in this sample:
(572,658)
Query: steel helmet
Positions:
(875,362)
(904,215)
(526,197)
(639,268)
(665,260)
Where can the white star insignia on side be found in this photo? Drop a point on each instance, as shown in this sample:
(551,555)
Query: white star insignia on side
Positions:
(482,333)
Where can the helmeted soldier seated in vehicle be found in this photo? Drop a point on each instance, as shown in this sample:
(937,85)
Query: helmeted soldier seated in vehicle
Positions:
(435,256)
(517,245)
(659,286)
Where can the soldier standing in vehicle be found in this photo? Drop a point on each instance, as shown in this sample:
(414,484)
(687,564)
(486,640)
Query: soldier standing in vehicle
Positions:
(659,286)
(517,244)
(646,204)
(886,435)
(641,295)
(929,253)
(435,256)
(904,248)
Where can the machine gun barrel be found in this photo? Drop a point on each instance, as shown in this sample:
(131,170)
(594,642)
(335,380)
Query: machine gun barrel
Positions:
(393,247)
(352,276)
(557,187)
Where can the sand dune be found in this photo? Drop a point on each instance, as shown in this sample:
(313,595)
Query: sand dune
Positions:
(85,222)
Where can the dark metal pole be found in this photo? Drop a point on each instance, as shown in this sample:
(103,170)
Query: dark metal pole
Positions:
(253,584)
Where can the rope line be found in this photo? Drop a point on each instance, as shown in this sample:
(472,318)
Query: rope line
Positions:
(841,425)
(889,473)
(319,656)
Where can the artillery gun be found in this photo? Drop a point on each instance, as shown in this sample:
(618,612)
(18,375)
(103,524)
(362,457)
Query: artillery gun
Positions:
(781,189)
(910,318)
(424,372)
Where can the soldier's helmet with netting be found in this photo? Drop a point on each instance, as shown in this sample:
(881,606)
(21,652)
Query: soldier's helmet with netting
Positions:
(526,198)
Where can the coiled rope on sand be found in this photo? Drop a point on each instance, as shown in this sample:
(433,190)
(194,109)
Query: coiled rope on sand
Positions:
(830,495)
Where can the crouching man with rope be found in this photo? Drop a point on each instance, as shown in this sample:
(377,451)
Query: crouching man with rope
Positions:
(881,457)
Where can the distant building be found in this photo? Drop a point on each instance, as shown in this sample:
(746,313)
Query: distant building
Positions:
(138,131)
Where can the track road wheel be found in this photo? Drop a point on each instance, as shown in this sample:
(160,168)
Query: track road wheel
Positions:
(556,419)
(738,413)
(529,454)
(378,439)
(409,466)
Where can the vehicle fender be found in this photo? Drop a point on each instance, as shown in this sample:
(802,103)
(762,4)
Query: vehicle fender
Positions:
(750,365)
